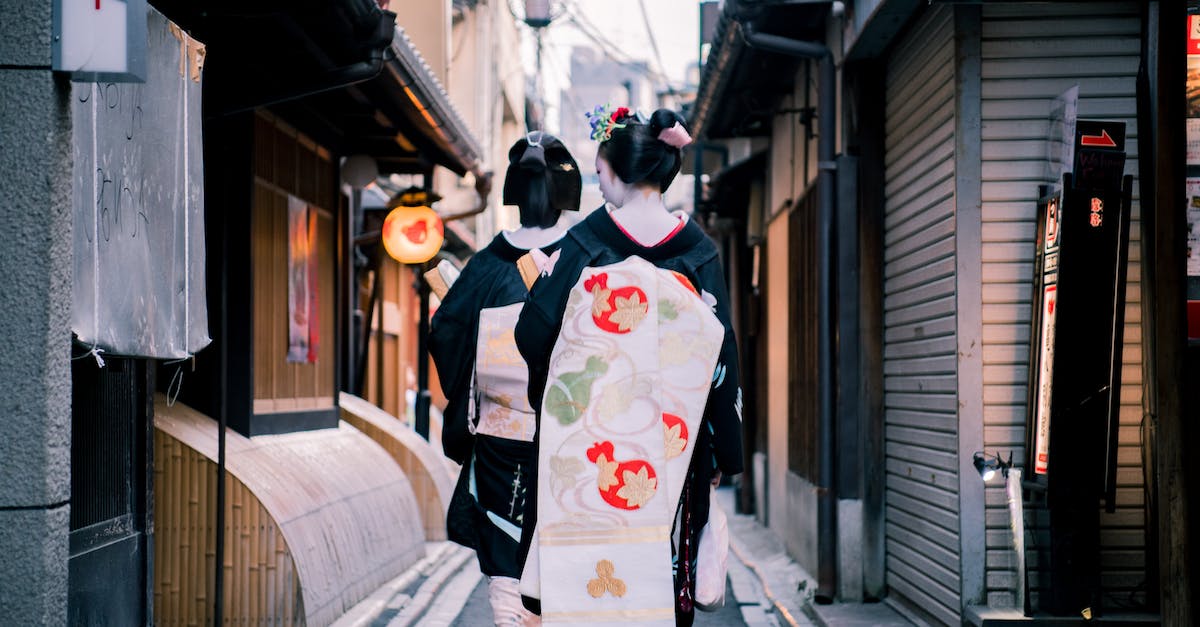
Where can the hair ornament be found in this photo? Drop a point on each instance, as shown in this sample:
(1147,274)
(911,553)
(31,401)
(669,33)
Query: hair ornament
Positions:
(604,121)
(534,156)
(676,136)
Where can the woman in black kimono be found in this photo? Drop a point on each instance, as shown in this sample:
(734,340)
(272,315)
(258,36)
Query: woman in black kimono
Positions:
(636,161)
(488,422)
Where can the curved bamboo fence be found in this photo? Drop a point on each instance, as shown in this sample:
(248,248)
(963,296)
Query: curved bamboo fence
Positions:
(314,522)
(425,466)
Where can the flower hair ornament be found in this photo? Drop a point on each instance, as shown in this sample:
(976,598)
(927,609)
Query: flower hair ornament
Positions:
(676,136)
(604,121)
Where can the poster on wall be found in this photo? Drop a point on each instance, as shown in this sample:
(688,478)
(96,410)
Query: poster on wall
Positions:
(1193,227)
(1042,436)
(1045,362)
(1193,110)
(1193,38)
(1193,141)
(1193,145)
(1193,90)
(302,282)
(1192,159)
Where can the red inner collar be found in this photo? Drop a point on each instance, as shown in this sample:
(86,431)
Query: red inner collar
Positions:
(675,231)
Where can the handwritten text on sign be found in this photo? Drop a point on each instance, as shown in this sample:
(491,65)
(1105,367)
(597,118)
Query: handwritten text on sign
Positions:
(138,286)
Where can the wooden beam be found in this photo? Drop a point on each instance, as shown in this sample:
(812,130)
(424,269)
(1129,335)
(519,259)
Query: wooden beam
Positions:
(1163,313)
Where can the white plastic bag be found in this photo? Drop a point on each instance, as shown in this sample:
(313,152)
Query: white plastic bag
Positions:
(712,558)
(531,575)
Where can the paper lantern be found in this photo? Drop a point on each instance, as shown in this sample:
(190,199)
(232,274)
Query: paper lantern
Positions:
(412,234)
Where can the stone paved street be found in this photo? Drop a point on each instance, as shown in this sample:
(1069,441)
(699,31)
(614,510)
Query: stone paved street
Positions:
(766,588)
(476,612)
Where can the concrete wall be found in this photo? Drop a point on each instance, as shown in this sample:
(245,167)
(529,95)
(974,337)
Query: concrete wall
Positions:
(35,281)
(427,24)
(486,84)
(791,508)
(799,530)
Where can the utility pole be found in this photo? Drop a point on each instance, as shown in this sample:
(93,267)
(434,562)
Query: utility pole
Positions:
(537,17)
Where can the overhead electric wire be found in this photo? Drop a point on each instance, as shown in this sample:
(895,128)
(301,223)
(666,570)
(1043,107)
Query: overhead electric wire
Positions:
(557,68)
(606,47)
(583,25)
(609,50)
(662,68)
(578,18)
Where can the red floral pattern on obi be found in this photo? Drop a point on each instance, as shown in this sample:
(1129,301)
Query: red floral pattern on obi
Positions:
(686,282)
(675,435)
(625,485)
(616,310)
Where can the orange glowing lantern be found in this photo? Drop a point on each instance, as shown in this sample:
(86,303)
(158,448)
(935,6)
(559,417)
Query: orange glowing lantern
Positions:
(412,234)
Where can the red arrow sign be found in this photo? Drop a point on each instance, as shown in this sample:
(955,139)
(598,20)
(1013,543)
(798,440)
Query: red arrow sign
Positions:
(1103,139)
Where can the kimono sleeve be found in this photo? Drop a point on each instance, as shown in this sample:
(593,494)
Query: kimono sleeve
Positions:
(452,336)
(541,319)
(724,410)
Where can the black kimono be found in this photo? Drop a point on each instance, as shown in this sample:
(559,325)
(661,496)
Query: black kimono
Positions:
(599,241)
(499,465)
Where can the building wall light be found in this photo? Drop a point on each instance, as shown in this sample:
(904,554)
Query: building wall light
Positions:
(989,464)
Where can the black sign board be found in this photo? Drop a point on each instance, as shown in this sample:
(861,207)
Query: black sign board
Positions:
(1077,331)
(1099,154)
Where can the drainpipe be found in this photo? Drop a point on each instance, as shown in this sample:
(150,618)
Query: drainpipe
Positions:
(483,188)
(827,264)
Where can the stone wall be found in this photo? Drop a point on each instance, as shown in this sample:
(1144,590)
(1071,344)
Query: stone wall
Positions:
(35,291)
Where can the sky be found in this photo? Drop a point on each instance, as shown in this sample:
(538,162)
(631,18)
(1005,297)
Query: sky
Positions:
(674,23)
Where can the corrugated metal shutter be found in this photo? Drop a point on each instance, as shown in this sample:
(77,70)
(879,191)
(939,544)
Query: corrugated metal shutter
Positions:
(1032,53)
(920,401)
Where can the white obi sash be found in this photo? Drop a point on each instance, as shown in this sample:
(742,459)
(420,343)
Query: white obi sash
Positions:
(501,378)
(628,380)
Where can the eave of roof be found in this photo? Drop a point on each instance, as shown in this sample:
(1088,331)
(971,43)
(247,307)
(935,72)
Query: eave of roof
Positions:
(881,27)
(739,79)
(726,46)
(432,104)
(290,54)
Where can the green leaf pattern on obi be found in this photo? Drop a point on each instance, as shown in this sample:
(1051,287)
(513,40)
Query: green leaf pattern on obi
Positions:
(568,397)
(565,470)
(617,397)
(666,309)
(678,348)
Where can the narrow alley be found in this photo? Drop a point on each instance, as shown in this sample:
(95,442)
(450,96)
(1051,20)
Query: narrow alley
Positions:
(383,312)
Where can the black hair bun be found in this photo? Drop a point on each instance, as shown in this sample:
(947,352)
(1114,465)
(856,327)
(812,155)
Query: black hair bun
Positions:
(664,119)
(637,155)
(543,179)
(534,158)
